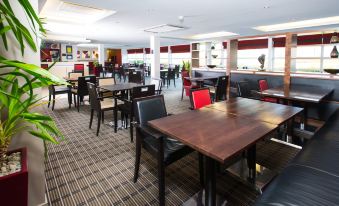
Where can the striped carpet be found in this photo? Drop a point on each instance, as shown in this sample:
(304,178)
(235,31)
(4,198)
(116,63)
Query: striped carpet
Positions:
(86,169)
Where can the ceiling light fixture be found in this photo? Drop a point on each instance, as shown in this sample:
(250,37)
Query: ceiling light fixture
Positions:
(164,28)
(213,35)
(63,38)
(63,11)
(300,24)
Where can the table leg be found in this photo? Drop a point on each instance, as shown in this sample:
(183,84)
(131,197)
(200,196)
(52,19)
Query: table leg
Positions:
(251,156)
(210,181)
(115,115)
(303,123)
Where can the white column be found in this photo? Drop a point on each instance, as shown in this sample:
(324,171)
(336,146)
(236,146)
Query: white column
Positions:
(101,51)
(124,55)
(155,56)
(270,57)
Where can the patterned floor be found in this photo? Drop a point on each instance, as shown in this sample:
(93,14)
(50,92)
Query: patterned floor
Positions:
(86,169)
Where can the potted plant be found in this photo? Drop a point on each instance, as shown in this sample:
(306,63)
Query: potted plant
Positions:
(186,66)
(18,101)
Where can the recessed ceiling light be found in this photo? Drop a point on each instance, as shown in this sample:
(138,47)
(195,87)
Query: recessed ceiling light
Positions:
(213,35)
(64,38)
(63,11)
(300,24)
(164,28)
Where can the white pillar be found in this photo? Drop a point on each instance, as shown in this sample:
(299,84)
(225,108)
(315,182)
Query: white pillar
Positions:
(270,56)
(101,51)
(155,56)
(124,55)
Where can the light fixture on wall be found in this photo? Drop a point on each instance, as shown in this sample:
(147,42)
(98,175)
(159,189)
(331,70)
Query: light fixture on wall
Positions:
(334,40)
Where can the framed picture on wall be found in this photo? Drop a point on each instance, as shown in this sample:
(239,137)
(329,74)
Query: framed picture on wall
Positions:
(69,49)
(85,55)
(69,56)
(78,54)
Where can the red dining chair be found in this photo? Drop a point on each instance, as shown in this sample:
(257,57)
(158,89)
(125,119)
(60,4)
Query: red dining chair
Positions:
(186,84)
(79,68)
(264,86)
(200,97)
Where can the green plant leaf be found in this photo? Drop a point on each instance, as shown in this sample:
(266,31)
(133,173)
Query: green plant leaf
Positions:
(36,116)
(44,136)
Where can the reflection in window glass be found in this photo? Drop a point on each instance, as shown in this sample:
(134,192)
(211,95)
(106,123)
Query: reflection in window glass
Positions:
(308,65)
(135,58)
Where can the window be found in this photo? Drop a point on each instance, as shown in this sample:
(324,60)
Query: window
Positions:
(177,58)
(308,58)
(248,58)
(164,58)
(137,57)
(328,62)
(278,59)
(218,55)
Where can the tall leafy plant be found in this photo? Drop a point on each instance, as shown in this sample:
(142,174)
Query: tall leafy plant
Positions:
(19,80)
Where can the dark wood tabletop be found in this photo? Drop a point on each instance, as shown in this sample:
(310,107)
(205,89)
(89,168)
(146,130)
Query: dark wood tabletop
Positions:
(118,87)
(301,93)
(214,133)
(257,110)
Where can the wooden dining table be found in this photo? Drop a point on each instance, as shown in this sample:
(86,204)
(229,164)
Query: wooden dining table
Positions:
(222,131)
(303,94)
(115,88)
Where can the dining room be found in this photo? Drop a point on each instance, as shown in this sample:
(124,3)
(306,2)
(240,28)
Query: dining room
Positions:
(169,103)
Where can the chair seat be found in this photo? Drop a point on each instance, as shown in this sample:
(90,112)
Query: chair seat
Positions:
(61,90)
(74,91)
(173,149)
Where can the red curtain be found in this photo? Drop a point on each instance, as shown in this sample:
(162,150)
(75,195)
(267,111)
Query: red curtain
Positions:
(279,42)
(164,49)
(225,45)
(181,49)
(148,50)
(135,51)
(253,44)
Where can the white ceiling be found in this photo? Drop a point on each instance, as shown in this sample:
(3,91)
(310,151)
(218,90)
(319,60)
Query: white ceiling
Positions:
(237,16)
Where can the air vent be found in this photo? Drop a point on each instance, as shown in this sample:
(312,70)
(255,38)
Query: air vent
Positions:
(164,28)
(78,9)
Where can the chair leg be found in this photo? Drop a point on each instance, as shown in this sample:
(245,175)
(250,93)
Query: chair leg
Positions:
(99,121)
(53,103)
(174,81)
(102,116)
(161,172)
(78,104)
(75,101)
(69,100)
(91,119)
(137,157)
(49,100)
(131,127)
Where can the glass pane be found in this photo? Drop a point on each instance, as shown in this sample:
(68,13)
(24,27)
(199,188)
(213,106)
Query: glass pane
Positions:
(328,49)
(308,65)
(309,51)
(331,64)
(252,53)
(219,62)
(279,52)
(279,64)
(250,63)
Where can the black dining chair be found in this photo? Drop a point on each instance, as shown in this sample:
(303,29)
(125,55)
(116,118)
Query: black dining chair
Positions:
(122,73)
(54,90)
(165,149)
(158,85)
(135,77)
(98,104)
(81,90)
(170,75)
(220,90)
(127,107)
(244,90)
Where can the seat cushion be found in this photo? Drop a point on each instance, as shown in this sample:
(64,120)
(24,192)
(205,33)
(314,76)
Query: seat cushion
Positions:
(300,185)
(61,90)
(173,149)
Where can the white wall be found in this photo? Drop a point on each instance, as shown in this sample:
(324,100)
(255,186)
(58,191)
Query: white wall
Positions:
(35,149)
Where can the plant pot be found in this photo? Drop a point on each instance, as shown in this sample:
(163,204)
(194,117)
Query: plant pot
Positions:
(14,187)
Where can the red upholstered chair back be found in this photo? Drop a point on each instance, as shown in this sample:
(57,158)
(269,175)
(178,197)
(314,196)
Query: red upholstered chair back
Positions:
(44,66)
(200,97)
(263,85)
(79,67)
(185,82)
